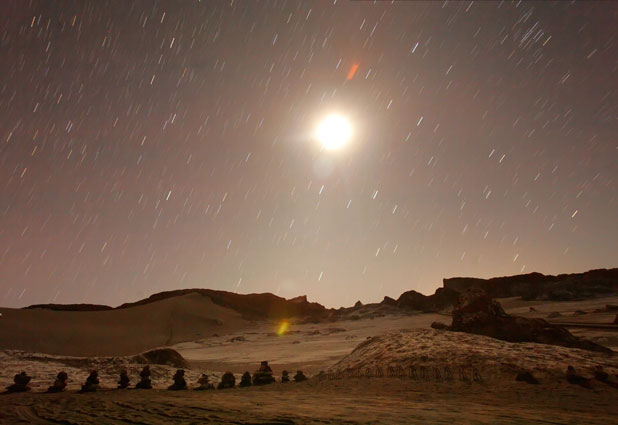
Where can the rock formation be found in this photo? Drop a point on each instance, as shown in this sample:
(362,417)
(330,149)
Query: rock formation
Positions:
(179,381)
(477,313)
(144,383)
(536,286)
(285,377)
(245,380)
(228,380)
(264,375)
(92,383)
(20,383)
(60,383)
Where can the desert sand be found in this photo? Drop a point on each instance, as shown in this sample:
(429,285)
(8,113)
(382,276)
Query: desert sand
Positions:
(214,339)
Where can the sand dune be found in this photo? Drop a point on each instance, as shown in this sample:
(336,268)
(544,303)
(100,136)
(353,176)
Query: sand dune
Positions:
(116,332)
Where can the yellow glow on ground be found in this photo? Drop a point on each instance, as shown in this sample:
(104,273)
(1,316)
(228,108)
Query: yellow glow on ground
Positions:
(283,327)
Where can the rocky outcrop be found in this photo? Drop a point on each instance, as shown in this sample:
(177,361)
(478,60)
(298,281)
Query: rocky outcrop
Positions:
(161,356)
(537,286)
(476,312)
(441,299)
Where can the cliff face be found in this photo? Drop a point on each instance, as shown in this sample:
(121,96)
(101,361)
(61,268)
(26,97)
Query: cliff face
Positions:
(537,286)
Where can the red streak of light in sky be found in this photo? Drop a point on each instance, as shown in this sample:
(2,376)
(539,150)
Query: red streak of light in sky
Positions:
(352,71)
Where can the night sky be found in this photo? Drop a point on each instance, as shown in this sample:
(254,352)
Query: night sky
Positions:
(151,145)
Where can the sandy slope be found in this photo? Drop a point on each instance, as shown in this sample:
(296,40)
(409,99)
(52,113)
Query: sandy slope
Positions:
(116,332)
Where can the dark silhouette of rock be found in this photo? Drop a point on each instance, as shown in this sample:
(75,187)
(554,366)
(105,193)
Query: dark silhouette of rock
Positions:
(439,325)
(245,380)
(300,376)
(124,379)
(358,304)
(228,380)
(60,383)
(92,383)
(441,299)
(20,383)
(144,383)
(532,309)
(204,383)
(264,375)
(573,378)
(536,286)
(578,312)
(162,356)
(389,301)
(525,376)
(179,381)
(285,377)
(554,314)
(477,313)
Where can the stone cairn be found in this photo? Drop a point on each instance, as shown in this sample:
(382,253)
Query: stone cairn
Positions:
(92,383)
(245,380)
(124,380)
(264,375)
(300,376)
(144,383)
(20,383)
(60,383)
(285,377)
(204,384)
(179,381)
(228,380)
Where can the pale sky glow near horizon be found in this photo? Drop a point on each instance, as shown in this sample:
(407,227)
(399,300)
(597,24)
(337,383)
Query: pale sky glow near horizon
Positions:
(150,146)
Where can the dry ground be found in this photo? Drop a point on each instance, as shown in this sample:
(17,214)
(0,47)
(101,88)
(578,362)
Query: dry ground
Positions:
(350,401)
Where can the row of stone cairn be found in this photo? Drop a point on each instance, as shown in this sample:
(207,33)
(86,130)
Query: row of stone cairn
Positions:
(263,376)
(412,372)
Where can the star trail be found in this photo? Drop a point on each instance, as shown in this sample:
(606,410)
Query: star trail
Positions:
(156,145)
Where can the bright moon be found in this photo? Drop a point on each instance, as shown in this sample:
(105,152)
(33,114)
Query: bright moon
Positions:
(334,131)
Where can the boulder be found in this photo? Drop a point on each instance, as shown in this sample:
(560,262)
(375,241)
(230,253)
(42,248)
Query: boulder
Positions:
(525,376)
(554,314)
(228,380)
(477,313)
(285,377)
(439,325)
(162,356)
